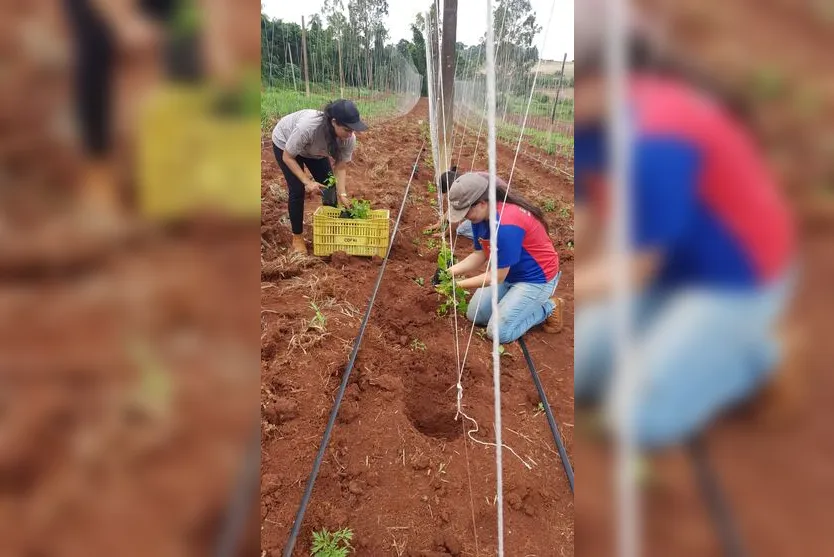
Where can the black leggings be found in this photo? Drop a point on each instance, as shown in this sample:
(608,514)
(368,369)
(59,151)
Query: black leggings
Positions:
(320,169)
(93,80)
(95,56)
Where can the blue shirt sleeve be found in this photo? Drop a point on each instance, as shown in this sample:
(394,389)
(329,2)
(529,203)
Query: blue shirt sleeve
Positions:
(477,232)
(664,191)
(589,157)
(510,238)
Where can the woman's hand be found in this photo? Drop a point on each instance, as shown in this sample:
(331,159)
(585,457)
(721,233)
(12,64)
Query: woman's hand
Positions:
(345,200)
(313,187)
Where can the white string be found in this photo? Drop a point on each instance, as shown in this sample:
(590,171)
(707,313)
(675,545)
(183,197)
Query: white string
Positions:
(530,98)
(626,374)
(431,92)
(493,255)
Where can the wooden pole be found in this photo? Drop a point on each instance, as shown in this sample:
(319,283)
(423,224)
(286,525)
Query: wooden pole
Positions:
(449,59)
(341,72)
(292,68)
(558,89)
(304,55)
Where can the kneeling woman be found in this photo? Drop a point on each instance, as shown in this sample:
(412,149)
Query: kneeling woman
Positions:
(528,265)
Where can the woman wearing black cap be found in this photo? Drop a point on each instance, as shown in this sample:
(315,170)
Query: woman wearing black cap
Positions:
(309,138)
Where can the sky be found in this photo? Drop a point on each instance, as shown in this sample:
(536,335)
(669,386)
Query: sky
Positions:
(471,20)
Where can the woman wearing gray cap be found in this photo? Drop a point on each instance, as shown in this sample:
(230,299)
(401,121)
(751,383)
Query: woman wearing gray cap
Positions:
(528,265)
(309,138)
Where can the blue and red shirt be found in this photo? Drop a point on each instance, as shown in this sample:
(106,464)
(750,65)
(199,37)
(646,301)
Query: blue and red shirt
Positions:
(523,245)
(701,192)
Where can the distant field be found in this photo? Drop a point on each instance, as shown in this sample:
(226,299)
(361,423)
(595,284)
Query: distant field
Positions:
(553,66)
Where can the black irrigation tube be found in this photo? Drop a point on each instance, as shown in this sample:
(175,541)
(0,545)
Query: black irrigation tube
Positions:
(308,491)
(717,505)
(551,421)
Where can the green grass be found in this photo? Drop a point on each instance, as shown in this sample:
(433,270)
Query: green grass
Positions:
(277,102)
(518,105)
(547,142)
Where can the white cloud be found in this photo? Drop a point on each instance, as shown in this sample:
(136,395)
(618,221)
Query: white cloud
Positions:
(471,20)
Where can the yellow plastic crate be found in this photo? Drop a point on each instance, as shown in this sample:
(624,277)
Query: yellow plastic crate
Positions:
(366,237)
(191,160)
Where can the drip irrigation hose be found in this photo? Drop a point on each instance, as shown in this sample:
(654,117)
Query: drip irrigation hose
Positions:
(551,421)
(308,491)
(717,505)
(244,494)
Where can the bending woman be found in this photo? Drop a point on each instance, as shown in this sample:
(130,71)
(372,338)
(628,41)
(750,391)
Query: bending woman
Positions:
(309,138)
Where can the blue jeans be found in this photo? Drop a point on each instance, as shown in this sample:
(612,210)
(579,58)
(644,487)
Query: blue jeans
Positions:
(700,351)
(465,229)
(521,306)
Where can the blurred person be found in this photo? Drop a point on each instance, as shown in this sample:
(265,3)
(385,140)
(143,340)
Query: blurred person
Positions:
(309,138)
(464,227)
(528,264)
(102,30)
(712,244)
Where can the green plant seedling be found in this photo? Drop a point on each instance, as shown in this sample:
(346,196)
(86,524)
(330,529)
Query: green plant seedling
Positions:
(432,188)
(417,344)
(420,281)
(330,181)
(319,321)
(360,209)
(549,206)
(332,544)
(564,212)
(453,295)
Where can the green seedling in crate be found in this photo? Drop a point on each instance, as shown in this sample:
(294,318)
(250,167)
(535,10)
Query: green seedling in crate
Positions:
(359,209)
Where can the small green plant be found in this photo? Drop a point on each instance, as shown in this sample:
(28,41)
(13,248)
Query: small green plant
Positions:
(417,344)
(433,202)
(453,296)
(549,206)
(330,182)
(432,187)
(360,209)
(539,409)
(564,212)
(319,321)
(570,245)
(430,231)
(420,281)
(332,544)
(444,258)
(503,351)
(431,243)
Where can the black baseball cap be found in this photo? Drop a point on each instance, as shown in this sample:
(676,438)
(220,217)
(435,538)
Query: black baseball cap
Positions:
(346,113)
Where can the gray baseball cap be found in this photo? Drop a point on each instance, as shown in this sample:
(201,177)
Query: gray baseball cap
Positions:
(465,192)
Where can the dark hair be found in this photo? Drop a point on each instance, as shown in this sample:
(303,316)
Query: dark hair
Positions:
(330,131)
(447,178)
(502,194)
